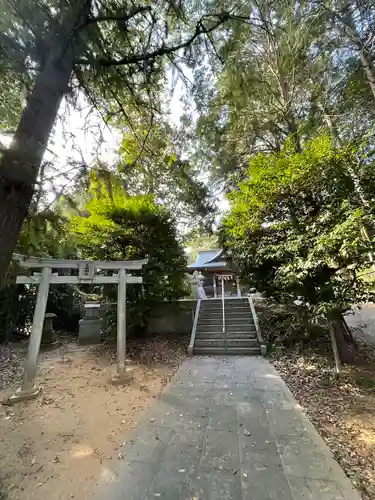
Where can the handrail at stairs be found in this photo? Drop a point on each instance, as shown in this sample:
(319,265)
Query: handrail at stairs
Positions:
(263,346)
(194,329)
(223,306)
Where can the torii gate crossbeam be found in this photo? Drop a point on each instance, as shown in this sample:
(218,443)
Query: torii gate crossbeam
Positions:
(87,270)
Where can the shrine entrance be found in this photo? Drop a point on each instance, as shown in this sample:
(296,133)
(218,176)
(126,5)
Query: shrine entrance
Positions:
(226,285)
(87,274)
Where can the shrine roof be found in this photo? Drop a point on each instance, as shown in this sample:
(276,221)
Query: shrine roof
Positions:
(207,259)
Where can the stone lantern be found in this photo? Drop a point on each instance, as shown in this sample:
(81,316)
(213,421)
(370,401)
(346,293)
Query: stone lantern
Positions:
(48,335)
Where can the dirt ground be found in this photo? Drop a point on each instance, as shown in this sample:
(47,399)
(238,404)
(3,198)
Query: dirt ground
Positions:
(343,411)
(61,445)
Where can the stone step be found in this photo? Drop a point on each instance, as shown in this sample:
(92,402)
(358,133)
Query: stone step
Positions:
(210,319)
(237,318)
(219,330)
(239,326)
(210,303)
(230,314)
(228,325)
(220,335)
(230,317)
(211,310)
(238,300)
(238,308)
(241,332)
(254,351)
(233,304)
(230,343)
(210,326)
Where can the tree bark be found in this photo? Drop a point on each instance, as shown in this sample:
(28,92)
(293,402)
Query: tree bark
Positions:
(335,351)
(364,56)
(368,69)
(345,346)
(349,333)
(19,165)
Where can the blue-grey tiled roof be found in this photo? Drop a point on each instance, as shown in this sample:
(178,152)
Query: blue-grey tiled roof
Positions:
(209,259)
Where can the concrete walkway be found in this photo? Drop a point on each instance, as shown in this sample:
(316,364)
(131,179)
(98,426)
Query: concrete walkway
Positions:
(226,428)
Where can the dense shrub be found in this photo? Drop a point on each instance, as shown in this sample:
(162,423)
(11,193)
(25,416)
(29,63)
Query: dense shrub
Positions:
(121,227)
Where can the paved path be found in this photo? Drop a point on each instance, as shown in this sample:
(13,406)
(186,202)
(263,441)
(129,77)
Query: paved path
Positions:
(226,428)
(362,322)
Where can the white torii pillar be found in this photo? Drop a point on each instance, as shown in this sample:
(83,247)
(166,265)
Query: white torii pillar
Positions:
(87,270)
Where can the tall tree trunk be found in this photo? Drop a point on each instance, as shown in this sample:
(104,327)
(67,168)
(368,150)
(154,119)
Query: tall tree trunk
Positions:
(277,69)
(368,68)
(364,56)
(288,112)
(19,165)
(345,345)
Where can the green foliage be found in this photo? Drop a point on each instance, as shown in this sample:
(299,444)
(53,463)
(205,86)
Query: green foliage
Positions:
(288,324)
(294,69)
(122,227)
(43,234)
(152,164)
(296,228)
(114,226)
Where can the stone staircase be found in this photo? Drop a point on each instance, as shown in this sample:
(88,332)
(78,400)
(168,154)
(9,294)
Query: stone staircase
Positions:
(240,335)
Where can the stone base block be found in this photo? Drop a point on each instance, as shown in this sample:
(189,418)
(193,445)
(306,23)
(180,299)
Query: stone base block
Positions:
(23,395)
(122,378)
(90,331)
(49,345)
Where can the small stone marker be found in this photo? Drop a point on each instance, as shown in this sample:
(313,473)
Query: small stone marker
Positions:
(90,327)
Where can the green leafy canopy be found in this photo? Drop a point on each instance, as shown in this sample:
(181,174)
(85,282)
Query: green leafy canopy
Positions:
(296,228)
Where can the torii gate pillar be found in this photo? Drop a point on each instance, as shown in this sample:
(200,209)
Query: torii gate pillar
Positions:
(121,375)
(30,389)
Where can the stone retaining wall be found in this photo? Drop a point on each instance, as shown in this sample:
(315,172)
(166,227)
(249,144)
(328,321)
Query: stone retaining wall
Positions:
(166,318)
(175,317)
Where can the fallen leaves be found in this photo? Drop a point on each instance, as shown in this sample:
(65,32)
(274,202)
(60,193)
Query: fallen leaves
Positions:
(61,425)
(339,409)
(11,365)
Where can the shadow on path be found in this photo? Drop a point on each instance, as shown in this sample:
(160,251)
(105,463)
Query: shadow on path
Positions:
(226,428)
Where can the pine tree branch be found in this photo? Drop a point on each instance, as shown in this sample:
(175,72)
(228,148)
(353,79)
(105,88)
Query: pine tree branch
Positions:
(161,51)
(119,18)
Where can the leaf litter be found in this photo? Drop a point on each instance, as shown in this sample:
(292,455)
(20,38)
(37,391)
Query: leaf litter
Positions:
(58,439)
(341,410)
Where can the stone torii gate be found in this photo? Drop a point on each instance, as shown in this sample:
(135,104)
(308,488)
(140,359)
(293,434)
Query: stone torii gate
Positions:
(87,274)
